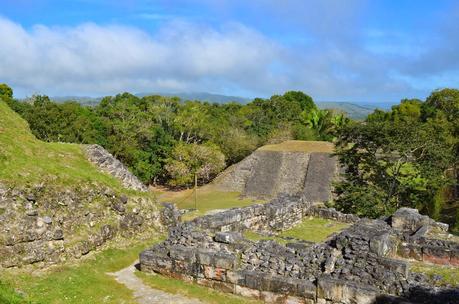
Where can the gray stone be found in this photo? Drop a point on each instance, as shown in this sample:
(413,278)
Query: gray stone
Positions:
(228,237)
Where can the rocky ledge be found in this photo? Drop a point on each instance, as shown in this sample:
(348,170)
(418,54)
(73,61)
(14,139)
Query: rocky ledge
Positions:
(109,164)
(358,265)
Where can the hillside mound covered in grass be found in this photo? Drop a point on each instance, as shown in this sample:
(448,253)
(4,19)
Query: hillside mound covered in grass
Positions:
(295,167)
(27,160)
(55,204)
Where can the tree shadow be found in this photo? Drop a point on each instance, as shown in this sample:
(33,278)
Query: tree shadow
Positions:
(421,295)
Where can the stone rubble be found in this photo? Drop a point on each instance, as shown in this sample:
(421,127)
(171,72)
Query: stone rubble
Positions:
(108,163)
(357,265)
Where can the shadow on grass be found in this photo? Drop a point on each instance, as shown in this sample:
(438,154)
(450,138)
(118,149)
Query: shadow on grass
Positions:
(420,295)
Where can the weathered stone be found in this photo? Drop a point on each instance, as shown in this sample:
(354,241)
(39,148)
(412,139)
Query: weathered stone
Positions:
(410,219)
(228,237)
(106,162)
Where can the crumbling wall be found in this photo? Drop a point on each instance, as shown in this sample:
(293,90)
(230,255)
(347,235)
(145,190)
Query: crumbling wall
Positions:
(46,225)
(109,164)
(354,266)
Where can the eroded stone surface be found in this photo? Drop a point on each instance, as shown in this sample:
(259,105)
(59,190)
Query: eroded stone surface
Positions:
(356,265)
(108,163)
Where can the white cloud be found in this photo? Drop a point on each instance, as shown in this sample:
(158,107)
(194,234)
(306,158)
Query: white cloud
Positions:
(94,59)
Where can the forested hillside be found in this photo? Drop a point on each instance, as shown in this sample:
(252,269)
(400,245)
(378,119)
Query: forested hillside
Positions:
(407,156)
(166,140)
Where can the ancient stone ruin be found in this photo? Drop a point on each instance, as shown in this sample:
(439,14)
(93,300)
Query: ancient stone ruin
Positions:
(266,174)
(109,164)
(47,225)
(361,264)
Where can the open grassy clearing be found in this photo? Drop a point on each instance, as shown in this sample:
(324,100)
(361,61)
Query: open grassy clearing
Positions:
(310,229)
(208,199)
(449,274)
(85,281)
(300,146)
(192,290)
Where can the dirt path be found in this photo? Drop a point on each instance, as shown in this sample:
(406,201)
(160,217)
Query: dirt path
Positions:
(145,294)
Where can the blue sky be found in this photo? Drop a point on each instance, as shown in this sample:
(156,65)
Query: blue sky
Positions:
(344,50)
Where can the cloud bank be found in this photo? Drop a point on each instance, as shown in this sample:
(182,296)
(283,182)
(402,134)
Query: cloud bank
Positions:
(93,59)
(325,48)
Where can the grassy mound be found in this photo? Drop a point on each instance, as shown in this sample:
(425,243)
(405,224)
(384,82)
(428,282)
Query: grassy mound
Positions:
(300,146)
(27,160)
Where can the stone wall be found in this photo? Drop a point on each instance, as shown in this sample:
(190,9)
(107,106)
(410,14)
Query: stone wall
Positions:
(354,266)
(418,243)
(46,225)
(109,164)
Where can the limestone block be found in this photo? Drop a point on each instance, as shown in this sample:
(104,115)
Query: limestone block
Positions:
(234,277)
(306,289)
(271,297)
(247,292)
(224,260)
(204,256)
(294,300)
(436,254)
(183,253)
(383,244)
(228,237)
(214,273)
(283,285)
(224,286)
(409,219)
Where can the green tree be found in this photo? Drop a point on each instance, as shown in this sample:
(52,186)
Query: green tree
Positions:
(186,160)
(6,91)
(390,163)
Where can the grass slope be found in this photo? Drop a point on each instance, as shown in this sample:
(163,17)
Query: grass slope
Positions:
(26,160)
(300,146)
(86,282)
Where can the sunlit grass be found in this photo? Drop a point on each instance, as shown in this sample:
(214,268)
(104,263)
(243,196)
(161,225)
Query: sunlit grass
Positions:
(449,274)
(208,198)
(85,282)
(27,160)
(310,229)
(192,290)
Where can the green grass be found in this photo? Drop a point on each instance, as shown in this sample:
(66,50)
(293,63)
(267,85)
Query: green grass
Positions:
(192,290)
(208,198)
(449,274)
(25,159)
(300,146)
(253,236)
(314,229)
(310,229)
(9,296)
(86,282)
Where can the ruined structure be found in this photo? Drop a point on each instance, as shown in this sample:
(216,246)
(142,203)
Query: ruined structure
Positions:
(109,164)
(47,225)
(267,173)
(361,264)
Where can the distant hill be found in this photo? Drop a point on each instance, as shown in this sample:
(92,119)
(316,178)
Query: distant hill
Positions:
(355,110)
(203,96)
(84,100)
